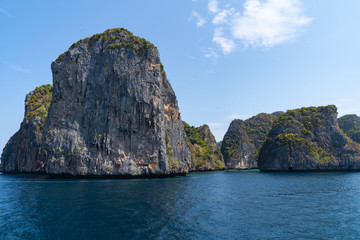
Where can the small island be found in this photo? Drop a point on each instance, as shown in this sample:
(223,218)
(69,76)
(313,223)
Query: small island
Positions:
(309,139)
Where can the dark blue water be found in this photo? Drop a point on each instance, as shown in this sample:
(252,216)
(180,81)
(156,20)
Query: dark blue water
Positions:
(217,205)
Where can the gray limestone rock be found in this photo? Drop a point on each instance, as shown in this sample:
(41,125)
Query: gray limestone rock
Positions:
(205,154)
(244,139)
(308,139)
(22,152)
(350,125)
(113,112)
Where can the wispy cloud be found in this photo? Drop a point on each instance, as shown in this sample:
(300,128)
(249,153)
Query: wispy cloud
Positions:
(213,6)
(210,53)
(6,13)
(227,45)
(17,68)
(223,16)
(259,23)
(200,21)
(269,23)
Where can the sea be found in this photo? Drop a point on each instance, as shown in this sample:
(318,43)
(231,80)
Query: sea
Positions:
(210,205)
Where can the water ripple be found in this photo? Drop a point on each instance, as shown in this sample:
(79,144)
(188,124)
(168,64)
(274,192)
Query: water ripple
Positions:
(216,205)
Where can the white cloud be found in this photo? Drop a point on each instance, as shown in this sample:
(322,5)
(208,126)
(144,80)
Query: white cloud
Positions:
(17,68)
(200,20)
(210,53)
(260,23)
(269,23)
(213,6)
(223,16)
(227,45)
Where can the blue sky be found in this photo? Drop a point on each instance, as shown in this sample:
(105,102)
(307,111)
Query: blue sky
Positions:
(225,59)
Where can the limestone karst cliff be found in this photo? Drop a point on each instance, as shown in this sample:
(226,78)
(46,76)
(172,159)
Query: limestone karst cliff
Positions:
(113,112)
(350,125)
(205,154)
(22,152)
(308,139)
(244,139)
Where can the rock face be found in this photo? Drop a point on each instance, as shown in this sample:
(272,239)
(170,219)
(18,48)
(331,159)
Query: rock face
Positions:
(22,152)
(350,125)
(205,154)
(308,139)
(244,139)
(113,112)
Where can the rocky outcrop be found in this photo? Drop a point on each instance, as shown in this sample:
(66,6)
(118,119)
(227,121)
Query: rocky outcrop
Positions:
(243,140)
(205,154)
(350,125)
(22,152)
(113,112)
(308,139)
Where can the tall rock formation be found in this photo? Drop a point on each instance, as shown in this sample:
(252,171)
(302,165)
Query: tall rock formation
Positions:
(308,139)
(205,154)
(350,125)
(243,140)
(22,152)
(113,111)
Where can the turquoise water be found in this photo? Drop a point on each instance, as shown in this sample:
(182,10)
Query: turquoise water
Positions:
(214,205)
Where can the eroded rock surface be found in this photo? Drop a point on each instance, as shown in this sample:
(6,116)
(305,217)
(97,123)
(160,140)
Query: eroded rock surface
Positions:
(308,139)
(350,125)
(205,154)
(22,152)
(244,139)
(113,112)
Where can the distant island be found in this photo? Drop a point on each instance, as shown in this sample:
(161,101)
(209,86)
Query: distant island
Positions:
(308,139)
(111,112)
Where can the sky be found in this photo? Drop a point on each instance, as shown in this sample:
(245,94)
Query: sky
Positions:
(224,59)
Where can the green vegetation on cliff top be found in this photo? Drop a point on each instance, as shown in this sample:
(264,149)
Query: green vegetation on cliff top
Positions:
(309,117)
(350,125)
(203,153)
(252,132)
(295,144)
(295,130)
(38,102)
(193,135)
(116,38)
(258,127)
